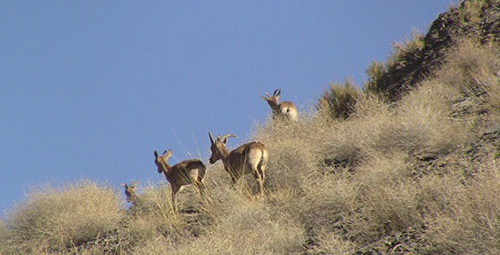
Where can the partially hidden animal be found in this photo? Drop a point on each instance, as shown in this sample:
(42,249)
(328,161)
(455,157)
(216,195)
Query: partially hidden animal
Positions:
(284,110)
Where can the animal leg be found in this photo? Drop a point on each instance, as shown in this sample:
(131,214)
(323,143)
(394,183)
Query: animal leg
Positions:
(175,188)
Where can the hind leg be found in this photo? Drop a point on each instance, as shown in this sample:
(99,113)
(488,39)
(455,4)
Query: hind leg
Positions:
(175,188)
(260,177)
(200,187)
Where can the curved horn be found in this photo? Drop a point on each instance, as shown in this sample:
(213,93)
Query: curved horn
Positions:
(224,138)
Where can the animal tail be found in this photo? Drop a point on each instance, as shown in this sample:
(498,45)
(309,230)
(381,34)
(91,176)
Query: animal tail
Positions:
(263,160)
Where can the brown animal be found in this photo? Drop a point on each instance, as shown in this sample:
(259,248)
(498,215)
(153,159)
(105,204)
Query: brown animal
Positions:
(285,109)
(250,158)
(130,193)
(183,173)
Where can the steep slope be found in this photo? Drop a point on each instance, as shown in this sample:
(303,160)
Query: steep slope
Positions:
(479,20)
(415,174)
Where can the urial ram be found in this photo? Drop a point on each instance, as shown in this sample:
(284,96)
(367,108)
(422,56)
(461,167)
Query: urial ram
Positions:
(250,158)
(183,173)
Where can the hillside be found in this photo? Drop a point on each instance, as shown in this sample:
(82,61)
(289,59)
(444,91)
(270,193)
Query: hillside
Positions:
(413,62)
(407,165)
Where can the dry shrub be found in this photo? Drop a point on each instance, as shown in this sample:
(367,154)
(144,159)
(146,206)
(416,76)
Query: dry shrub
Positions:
(293,151)
(55,219)
(387,210)
(6,245)
(471,11)
(376,72)
(420,122)
(383,169)
(251,227)
(154,217)
(328,206)
(382,76)
(473,69)
(331,243)
(424,118)
(387,197)
(339,101)
(160,245)
(467,219)
(406,50)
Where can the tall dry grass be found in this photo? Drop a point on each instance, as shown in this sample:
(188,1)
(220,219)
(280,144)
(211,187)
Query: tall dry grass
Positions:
(56,219)
(339,100)
(406,177)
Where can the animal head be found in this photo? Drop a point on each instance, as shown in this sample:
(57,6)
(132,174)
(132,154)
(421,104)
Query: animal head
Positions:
(161,160)
(273,100)
(129,190)
(218,147)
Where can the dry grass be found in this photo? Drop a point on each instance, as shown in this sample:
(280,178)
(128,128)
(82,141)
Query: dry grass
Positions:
(408,177)
(464,219)
(407,49)
(251,227)
(56,219)
(473,69)
(153,217)
(339,101)
(472,11)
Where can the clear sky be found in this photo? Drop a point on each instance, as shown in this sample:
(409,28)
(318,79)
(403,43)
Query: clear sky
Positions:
(89,89)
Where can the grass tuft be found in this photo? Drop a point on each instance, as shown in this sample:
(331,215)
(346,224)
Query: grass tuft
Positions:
(55,219)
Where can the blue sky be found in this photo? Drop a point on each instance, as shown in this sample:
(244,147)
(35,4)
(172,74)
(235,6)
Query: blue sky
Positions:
(89,89)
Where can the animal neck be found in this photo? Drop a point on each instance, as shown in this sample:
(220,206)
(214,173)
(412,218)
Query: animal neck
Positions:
(165,167)
(225,154)
(273,104)
(133,198)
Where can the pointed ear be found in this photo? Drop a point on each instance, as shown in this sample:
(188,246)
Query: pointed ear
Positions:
(211,138)
(124,185)
(155,154)
(168,153)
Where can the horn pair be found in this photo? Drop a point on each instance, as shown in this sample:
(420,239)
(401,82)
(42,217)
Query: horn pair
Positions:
(219,138)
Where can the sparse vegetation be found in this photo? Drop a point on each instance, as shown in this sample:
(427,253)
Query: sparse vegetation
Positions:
(417,175)
(339,101)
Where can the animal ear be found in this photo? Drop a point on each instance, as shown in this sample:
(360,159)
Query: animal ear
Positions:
(155,154)
(277,92)
(124,185)
(167,153)
(211,138)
